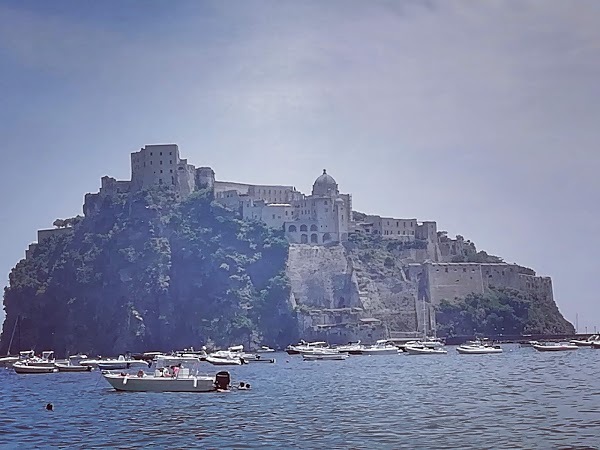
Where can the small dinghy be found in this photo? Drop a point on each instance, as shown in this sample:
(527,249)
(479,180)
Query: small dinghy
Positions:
(555,347)
(265,349)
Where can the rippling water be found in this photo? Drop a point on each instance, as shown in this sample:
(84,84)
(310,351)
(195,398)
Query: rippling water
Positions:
(518,399)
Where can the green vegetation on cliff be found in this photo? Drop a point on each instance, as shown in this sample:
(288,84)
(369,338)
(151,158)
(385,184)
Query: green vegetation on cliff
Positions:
(500,311)
(148,271)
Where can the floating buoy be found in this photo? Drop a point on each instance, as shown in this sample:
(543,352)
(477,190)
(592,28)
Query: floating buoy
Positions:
(49,407)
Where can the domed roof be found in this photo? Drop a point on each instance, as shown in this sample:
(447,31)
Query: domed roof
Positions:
(325,185)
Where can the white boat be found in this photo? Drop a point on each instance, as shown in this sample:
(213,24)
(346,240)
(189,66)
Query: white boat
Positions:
(324,356)
(25,367)
(586,342)
(265,349)
(423,350)
(352,348)
(256,358)
(305,347)
(381,347)
(73,368)
(478,349)
(8,360)
(183,381)
(224,360)
(112,364)
(554,347)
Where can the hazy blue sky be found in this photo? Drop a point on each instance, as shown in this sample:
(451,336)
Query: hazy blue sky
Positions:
(483,116)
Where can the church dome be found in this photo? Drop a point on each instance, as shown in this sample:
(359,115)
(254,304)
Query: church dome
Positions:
(325,185)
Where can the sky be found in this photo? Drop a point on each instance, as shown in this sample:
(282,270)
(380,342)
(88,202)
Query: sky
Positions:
(482,116)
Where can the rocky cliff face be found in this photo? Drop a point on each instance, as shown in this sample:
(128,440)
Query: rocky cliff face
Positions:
(352,291)
(371,288)
(149,271)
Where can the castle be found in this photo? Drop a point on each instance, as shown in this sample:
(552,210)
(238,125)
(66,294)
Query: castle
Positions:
(434,267)
(323,217)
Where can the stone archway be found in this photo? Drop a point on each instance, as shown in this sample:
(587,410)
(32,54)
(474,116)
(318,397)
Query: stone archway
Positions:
(304,239)
(314,239)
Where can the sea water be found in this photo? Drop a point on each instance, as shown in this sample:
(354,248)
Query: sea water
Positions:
(519,399)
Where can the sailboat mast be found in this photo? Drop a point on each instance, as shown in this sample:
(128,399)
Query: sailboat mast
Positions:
(12,336)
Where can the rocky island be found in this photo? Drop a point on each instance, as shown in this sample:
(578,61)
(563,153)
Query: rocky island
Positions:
(174,257)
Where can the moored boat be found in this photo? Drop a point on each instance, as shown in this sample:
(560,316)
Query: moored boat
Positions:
(224,360)
(305,347)
(24,367)
(264,349)
(183,381)
(113,364)
(423,350)
(325,356)
(586,342)
(554,347)
(381,347)
(478,347)
(72,368)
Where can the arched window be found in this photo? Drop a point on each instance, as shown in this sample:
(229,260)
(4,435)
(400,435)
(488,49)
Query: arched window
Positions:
(313,228)
(303,228)
(304,239)
(292,229)
(326,237)
(314,238)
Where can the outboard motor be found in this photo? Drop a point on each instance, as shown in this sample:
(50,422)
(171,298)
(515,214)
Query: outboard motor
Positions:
(222,380)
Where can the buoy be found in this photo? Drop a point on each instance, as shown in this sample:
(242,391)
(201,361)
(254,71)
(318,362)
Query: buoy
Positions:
(50,407)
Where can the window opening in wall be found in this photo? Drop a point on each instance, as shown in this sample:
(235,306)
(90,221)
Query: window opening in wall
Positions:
(150,162)
(150,153)
(446,270)
(171,170)
(160,170)
(160,153)
(170,153)
(161,163)
(160,181)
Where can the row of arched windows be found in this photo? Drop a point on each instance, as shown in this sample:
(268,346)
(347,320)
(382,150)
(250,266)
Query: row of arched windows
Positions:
(293,229)
(314,238)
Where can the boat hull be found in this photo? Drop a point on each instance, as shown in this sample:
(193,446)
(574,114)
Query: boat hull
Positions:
(478,350)
(325,357)
(67,368)
(424,351)
(555,348)
(385,351)
(223,361)
(158,384)
(24,369)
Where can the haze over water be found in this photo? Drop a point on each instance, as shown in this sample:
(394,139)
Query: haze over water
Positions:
(518,399)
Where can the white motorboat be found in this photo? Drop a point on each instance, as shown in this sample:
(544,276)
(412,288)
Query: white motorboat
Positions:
(26,367)
(478,349)
(264,349)
(224,360)
(183,381)
(113,364)
(46,360)
(324,356)
(423,350)
(256,358)
(305,347)
(73,368)
(596,345)
(554,347)
(352,348)
(381,347)
(586,342)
